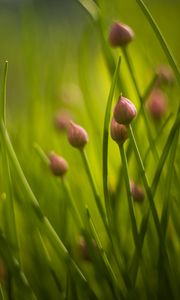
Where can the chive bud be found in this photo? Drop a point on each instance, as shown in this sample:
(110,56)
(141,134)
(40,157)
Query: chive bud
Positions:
(137,192)
(62,120)
(120,35)
(58,164)
(83,248)
(124,111)
(119,132)
(77,136)
(165,75)
(157,105)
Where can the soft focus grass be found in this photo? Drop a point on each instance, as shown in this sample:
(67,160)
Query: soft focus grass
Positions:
(58,61)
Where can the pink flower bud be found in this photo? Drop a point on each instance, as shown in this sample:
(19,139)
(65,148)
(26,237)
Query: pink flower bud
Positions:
(157,105)
(119,132)
(124,111)
(120,35)
(62,119)
(137,192)
(58,164)
(77,136)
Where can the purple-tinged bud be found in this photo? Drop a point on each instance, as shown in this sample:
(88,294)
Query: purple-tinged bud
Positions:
(3,271)
(83,248)
(124,111)
(165,75)
(119,132)
(137,192)
(157,105)
(58,164)
(120,35)
(62,120)
(77,136)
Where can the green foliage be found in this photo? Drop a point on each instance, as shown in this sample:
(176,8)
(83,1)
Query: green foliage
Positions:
(86,235)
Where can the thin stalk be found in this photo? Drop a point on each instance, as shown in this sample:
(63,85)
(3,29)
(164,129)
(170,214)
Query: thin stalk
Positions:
(160,38)
(105,144)
(2,293)
(130,200)
(93,186)
(77,217)
(131,71)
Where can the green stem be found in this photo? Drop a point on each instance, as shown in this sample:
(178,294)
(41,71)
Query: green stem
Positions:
(76,214)
(93,186)
(146,121)
(130,200)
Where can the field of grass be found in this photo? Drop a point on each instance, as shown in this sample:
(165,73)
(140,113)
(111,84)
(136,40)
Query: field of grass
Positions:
(108,228)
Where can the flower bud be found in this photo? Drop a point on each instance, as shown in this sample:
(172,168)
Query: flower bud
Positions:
(119,132)
(62,120)
(157,105)
(164,75)
(83,248)
(124,111)
(58,164)
(137,192)
(77,136)
(120,35)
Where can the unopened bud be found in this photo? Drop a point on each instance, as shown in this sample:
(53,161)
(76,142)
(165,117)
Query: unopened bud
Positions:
(120,35)
(83,248)
(157,105)
(164,75)
(137,192)
(77,136)
(62,119)
(124,111)
(119,132)
(58,164)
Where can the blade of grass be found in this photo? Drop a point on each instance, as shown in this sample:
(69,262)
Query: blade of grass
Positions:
(105,143)
(130,200)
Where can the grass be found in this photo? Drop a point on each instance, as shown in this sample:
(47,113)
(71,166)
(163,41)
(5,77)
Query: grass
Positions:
(84,235)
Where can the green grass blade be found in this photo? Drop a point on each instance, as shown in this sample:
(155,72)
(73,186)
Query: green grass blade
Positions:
(105,143)
(3,93)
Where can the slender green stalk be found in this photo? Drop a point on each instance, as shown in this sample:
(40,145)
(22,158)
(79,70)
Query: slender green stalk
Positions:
(105,143)
(131,71)
(93,186)
(130,200)
(160,38)
(76,214)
